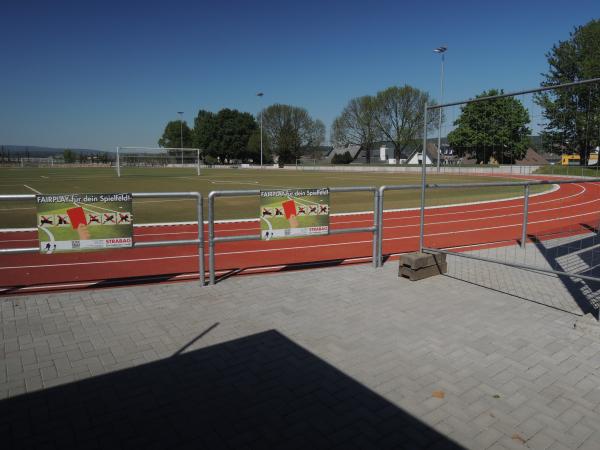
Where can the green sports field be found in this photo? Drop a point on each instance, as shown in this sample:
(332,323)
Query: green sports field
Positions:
(104,180)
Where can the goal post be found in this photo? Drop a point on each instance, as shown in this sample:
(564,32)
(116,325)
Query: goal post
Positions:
(156,157)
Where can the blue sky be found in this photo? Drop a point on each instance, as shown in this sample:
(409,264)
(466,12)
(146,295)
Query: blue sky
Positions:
(101,74)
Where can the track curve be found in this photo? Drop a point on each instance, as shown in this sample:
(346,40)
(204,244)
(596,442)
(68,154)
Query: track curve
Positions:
(572,207)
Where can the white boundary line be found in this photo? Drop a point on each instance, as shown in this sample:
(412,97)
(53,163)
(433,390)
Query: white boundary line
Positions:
(32,189)
(555,188)
(282,249)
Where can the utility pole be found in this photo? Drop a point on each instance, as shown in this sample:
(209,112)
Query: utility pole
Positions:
(260,95)
(441,51)
(181,134)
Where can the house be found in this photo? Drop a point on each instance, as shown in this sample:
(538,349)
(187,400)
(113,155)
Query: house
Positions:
(431,155)
(312,154)
(382,152)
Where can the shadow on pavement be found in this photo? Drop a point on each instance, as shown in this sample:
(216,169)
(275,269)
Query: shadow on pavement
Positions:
(260,391)
(580,256)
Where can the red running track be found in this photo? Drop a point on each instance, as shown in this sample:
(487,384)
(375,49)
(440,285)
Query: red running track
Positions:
(572,207)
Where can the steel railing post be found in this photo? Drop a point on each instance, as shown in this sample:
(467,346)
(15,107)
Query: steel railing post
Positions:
(211,237)
(525,214)
(200,210)
(376,225)
(381,227)
(423,180)
(118,163)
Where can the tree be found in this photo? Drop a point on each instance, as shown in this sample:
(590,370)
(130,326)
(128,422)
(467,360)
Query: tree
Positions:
(345,158)
(291,131)
(69,156)
(572,114)
(399,116)
(357,125)
(224,135)
(492,128)
(317,137)
(254,148)
(171,137)
(205,133)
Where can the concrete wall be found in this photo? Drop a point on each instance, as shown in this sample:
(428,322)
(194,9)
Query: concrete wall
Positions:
(506,169)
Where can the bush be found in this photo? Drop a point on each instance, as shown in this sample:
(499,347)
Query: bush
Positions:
(346,158)
(210,160)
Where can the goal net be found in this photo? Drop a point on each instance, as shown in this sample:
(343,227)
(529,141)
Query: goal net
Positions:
(131,159)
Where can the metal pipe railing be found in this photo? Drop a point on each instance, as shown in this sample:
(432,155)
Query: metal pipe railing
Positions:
(513,94)
(199,217)
(525,184)
(377,231)
(212,239)
(509,264)
(199,241)
(525,214)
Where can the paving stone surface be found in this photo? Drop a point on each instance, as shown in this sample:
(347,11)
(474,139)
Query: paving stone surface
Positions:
(578,254)
(346,357)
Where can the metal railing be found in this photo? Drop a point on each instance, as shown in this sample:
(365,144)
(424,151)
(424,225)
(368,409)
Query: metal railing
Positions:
(199,241)
(212,239)
(526,194)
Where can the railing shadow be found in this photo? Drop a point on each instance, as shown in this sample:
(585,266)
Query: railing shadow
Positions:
(578,256)
(260,391)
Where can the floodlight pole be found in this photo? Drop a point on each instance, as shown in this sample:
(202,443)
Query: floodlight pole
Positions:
(441,51)
(118,164)
(259,95)
(423,183)
(181,134)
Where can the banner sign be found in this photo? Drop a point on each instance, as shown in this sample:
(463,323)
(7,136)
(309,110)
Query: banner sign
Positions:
(289,213)
(83,222)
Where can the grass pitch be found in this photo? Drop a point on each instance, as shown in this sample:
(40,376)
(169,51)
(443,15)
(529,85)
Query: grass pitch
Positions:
(17,214)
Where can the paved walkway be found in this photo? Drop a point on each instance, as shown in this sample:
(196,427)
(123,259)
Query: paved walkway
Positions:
(343,357)
(573,254)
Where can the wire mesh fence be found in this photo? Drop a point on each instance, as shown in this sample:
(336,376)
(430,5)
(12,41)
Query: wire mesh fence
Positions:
(542,244)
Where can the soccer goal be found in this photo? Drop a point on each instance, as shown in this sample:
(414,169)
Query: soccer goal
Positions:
(157,157)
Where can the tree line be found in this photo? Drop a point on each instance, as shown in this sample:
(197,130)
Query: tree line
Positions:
(230,135)
(487,130)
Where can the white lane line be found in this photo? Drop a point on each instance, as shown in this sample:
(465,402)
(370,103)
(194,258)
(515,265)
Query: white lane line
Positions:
(32,189)
(49,249)
(555,187)
(97,207)
(369,241)
(345,222)
(387,211)
(270,229)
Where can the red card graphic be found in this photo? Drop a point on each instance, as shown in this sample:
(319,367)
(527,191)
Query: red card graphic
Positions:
(77,217)
(289,208)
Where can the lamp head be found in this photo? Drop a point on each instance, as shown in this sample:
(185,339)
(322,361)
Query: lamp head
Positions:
(441,49)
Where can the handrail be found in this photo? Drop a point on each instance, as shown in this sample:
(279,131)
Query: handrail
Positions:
(199,241)
(524,184)
(212,239)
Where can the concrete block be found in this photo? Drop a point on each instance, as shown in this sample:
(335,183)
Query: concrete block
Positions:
(424,272)
(419,260)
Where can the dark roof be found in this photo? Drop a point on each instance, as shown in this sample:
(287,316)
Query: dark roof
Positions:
(352,149)
(531,158)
